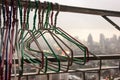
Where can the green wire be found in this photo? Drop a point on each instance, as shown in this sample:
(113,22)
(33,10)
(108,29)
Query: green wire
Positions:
(31,60)
(34,21)
(35,14)
(82,47)
(52,51)
(46,62)
(47,16)
(27,23)
(20,11)
(71,40)
(28,12)
(46,24)
(22,33)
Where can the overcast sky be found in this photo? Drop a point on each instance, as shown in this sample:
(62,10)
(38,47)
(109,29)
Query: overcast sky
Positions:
(82,24)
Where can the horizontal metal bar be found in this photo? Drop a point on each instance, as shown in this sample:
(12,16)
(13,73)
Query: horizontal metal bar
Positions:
(91,57)
(65,8)
(98,57)
(70,71)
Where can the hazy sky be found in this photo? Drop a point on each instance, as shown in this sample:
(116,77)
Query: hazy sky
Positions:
(83,24)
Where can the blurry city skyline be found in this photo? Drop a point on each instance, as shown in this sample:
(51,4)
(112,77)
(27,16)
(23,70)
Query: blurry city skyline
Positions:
(104,45)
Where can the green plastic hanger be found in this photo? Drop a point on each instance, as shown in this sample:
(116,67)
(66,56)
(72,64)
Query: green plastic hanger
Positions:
(18,45)
(47,27)
(30,33)
(22,47)
(41,57)
(57,69)
(31,36)
(74,41)
(34,32)
(67,57)
(65,35)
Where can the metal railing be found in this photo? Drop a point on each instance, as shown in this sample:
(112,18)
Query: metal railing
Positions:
(102,13)
(82,70)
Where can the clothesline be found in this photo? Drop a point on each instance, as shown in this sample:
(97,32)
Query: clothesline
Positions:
(65,8)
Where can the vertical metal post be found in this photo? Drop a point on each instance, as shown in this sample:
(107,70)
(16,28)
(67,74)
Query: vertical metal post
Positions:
(99,72)
(48,77)
(26,77)
(84,75)
(119,65)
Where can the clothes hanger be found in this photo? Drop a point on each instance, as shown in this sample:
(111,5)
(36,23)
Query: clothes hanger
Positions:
(12,37)
(1,46)
(10,41)
(24,51)
(41,58)
(59,46)
(15,44)
(7,41)
(65,35)
(29,52)
(44,53)
(65,55)
(40,32)
(17,40)
(56,42)
(21,32)
(33,31)
(24,21)
(40,18)
(2,28)
(78,46)
(0,34)
(54,35)
(5,46)
(71,39)
(47,28)
(22,41)
(27,41)
(74,39)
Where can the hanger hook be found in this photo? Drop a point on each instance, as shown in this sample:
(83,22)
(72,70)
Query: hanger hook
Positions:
(56,15)
(39,16)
